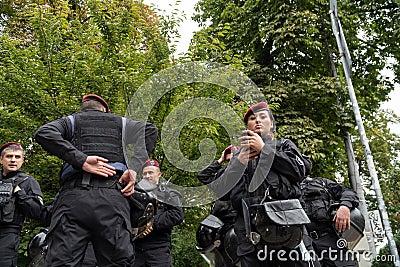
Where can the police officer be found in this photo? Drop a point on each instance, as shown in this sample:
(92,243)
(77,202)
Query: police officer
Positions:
(91,206)
(153,243)
(265,169)
(20,196)
(222,208)
(319,194)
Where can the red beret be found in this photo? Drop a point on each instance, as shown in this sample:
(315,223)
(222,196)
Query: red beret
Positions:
(253,109)
(150,162)
(231,149)
(10,144)
(98,99)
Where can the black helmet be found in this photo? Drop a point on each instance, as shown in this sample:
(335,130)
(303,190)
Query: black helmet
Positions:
(230,245)
(37,244)
(143,206)
(356,231)
(357,225)
(208,234)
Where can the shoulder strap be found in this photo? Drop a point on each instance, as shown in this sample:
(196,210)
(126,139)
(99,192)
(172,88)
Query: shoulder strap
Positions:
(124,139)
(323,184)
(20,177)
(72,120)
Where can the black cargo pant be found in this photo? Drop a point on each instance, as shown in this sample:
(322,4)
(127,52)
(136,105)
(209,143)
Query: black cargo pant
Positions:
(330,254)
(99,215)
(153,257)
(282,258)
(9,244)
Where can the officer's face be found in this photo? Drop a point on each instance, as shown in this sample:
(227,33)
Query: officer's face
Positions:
(12,161)
(260,123)
(152,173)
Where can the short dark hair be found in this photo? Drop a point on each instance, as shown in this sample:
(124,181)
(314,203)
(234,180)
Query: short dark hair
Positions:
(13,148)
(92,104)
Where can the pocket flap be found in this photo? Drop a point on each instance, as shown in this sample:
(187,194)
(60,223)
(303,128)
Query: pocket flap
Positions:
(286,212)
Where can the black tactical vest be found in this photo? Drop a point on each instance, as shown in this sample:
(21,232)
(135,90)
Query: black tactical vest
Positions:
(99,134)
(317,199)
(7,199)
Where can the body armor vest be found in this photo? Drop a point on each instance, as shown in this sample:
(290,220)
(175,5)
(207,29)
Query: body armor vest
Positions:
(317,199)
(7,199)
(99,134)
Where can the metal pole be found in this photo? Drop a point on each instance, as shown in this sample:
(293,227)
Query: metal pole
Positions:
(354,176)
(341,42)
(358,188)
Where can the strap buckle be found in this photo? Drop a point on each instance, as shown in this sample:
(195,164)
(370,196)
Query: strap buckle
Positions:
(86,180)
(313,234)
(254,237)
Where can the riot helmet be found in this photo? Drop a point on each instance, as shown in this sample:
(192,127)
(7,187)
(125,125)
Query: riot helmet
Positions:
(357,225)
(37,245)
(208,234)
(144,206)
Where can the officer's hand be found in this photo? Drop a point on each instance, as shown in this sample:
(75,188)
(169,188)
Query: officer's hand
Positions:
(128,178)
(97,165)
(251,146)
(222,158)
(253,141)
(145,229)
(342,219)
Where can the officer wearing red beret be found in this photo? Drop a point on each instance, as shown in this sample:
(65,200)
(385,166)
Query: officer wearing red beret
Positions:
(20,196)
(266,170)
(91,206)
(153,246)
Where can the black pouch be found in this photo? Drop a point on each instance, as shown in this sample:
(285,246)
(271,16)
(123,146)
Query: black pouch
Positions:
(6,189)
(7,202)
(280,223)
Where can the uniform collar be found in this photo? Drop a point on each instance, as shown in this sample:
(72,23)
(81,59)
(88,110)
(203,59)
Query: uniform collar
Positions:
(10,175)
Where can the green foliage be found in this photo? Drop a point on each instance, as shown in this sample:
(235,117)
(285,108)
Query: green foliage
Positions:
(184,238)
(385,258)
(184,249)
(385,148)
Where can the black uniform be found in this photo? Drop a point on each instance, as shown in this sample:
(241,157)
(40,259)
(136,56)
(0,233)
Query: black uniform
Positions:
(27,202)
(318,195)
(154,250)
(37,248)
(90,207)
(279,168)
(222,208)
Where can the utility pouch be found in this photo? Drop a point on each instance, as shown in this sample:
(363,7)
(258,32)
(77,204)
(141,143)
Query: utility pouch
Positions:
(285,212)
(7,202)
(280,223)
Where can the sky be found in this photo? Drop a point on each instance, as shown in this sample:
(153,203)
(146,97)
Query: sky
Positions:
(188,26)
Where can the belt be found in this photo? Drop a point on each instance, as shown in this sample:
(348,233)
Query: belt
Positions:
(6,228)
(317,234)
(91,181)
